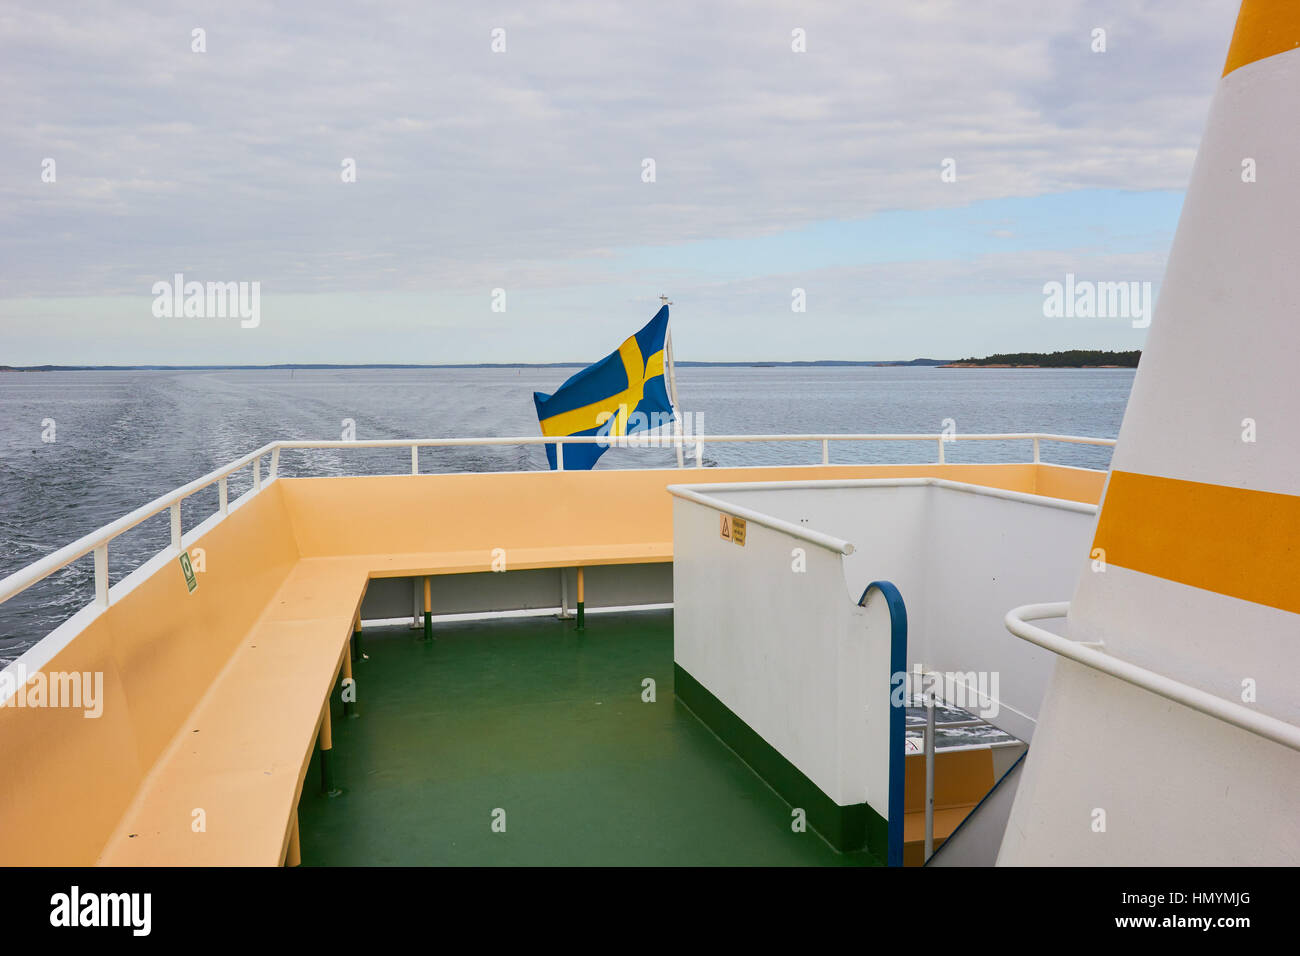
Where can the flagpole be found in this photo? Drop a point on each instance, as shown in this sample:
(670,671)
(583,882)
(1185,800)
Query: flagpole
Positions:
(672,385)
(672,372)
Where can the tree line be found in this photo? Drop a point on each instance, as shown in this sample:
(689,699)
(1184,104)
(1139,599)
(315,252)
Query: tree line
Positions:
(1073,358)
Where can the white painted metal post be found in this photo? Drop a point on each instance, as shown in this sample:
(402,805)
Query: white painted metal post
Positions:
(176,526)
(1036,458)
(941,451)
(929,777)
(826,451)
(415,459)
(275,463)
(681,454)
(257,474)
(101,575)
(223,497)
(559,456)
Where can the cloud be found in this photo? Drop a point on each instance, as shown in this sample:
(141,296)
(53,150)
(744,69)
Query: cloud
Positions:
(474,165)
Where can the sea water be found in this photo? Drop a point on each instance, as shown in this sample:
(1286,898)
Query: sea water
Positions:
(80,449)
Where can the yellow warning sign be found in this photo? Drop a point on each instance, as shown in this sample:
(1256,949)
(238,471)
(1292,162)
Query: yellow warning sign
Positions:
(738,531)
(724,527)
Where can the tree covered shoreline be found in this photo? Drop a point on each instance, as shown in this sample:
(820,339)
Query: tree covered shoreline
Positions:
(1073,358)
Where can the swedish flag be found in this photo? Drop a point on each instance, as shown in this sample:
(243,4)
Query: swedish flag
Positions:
(623,393)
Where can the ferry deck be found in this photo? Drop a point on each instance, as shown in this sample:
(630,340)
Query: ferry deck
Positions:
(428,668)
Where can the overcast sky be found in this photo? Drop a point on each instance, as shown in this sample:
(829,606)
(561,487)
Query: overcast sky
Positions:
(522,170)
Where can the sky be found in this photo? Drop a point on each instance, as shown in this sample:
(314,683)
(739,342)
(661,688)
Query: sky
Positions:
(500,209)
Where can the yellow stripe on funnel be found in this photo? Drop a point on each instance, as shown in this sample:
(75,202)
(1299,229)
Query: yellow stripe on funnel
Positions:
(1232,541)
(1264,28)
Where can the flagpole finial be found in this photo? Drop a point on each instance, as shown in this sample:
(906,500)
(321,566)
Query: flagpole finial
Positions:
(663,299)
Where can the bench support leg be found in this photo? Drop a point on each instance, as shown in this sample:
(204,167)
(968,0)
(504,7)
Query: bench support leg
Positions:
(325,739)
(349,689)
(293,856)
(582,602)
(428,612)
(565,614)
(357,653)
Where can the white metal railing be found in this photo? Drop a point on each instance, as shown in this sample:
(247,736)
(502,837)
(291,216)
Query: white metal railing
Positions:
(819,538)
(929,736)
(679,440)
(1091,655)
(97,542)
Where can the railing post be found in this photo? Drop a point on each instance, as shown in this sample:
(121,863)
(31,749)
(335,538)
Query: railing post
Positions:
(681,455)
(415,459)
(1036,458)
(275,462)
(257,474)
(176,526)
(223,497)
(941,451)
(559,456)
(826,451)
(101,575)
(699,452)
(929,778)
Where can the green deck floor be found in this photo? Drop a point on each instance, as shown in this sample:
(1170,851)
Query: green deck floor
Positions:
(546,723)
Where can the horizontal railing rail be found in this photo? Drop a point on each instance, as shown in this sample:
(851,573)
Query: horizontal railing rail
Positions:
(1091,655)
(680,440)
(964,487)
(708,496)
(97,542)
(821,539)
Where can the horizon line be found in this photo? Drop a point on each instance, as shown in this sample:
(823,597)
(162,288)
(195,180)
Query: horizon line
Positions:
(743,363)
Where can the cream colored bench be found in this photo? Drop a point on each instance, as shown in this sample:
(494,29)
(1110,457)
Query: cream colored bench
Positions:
(242,755)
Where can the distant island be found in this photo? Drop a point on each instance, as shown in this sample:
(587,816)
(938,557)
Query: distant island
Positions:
(1073,358)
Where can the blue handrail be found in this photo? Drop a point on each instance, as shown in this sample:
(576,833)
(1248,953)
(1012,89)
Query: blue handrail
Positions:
(897,713)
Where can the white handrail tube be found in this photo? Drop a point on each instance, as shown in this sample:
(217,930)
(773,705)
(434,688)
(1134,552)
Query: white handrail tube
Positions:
(1270,728)
(635,440)
(929,775)
(24,578)
(822,540)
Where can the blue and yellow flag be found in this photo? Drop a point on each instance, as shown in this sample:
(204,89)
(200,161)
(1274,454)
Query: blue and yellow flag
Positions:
(623,393)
